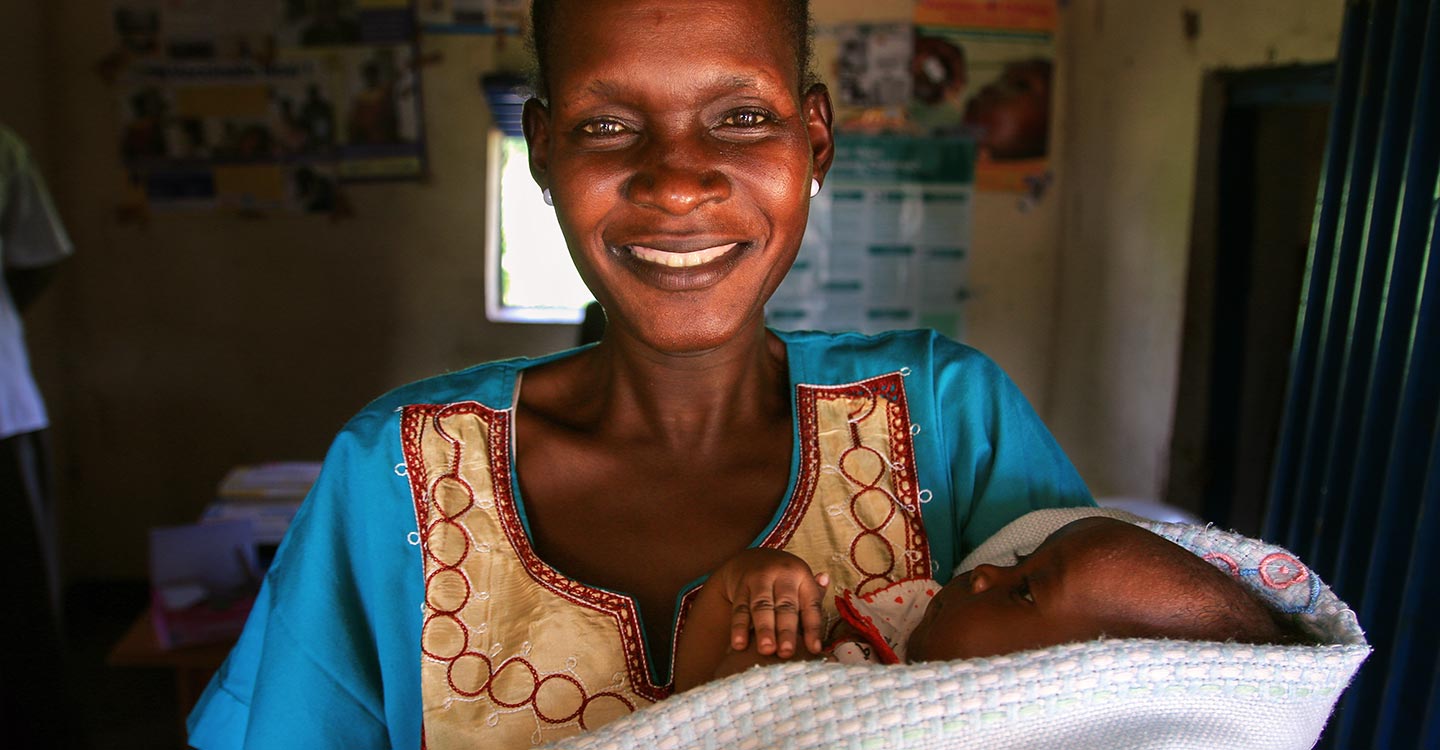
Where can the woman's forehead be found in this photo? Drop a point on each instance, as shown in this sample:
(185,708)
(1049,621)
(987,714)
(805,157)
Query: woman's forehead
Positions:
(753,26)
(667,47)
(596,18)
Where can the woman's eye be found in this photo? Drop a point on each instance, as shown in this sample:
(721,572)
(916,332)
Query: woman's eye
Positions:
(604,128)
(747,118)
(1022,591)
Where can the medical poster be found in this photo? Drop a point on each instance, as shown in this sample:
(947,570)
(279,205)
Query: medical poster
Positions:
(872,65)
(984,68)
(228,135)
(474,16)
(888,242)
(867,69)
(264,104)
(197,29)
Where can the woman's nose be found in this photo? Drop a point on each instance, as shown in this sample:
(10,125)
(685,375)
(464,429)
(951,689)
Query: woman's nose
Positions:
(676,179)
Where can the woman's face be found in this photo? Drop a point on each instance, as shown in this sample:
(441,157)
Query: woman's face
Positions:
(679,154)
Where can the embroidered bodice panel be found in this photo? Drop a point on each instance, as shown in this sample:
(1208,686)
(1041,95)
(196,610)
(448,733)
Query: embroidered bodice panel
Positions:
(514,653)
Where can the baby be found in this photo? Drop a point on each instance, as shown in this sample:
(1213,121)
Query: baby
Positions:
(1095,577)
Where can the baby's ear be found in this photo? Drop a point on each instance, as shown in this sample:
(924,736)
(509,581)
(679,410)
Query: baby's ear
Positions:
(1023,552)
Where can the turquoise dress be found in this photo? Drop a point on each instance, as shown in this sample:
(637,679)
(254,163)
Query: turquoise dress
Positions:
(354,610)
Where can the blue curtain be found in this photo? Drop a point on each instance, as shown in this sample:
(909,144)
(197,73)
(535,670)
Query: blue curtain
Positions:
(1356,483)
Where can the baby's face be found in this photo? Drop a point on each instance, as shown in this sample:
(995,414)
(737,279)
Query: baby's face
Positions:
(1093,577)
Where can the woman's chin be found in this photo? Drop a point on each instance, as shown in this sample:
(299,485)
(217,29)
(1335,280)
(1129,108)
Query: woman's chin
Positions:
(691,333)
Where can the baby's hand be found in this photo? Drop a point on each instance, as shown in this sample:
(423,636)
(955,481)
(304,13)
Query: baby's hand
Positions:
(776,594)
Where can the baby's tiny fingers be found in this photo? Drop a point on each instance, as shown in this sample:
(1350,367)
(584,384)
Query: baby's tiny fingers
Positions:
(740,627)
(786,623)
(762,619)
(812,612)
(812,619)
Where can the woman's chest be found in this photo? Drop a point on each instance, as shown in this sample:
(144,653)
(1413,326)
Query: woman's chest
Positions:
(511,644)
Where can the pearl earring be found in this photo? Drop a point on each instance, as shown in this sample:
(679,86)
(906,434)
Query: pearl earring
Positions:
(814,187)
(545,195)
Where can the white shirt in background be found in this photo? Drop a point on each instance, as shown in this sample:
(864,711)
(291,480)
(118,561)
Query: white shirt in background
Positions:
(31,236)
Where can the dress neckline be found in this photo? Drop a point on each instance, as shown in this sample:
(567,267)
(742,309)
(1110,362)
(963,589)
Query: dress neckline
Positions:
(783,509)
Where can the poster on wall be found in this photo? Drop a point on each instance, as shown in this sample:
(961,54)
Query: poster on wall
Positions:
(888,241)
(196,29)
(264,104)
(867,68)
(226,135)
(872,64)
(474,16)
(985,68)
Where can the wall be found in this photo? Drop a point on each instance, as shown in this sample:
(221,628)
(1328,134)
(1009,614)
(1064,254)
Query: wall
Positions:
(201,341)
(1129,160)
(1013,270)
(174,350)
(22,56)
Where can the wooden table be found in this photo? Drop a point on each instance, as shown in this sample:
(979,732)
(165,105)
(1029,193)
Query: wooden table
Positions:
(192,665)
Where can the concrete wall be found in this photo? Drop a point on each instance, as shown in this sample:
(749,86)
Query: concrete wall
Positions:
(1129,164)
(204,340)
(23,28)
(1013,263)
(174,350)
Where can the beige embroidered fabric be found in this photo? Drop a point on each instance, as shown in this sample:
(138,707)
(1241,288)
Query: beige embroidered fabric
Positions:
(513,645)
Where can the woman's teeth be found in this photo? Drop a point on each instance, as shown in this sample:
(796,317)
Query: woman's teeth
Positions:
(681,260)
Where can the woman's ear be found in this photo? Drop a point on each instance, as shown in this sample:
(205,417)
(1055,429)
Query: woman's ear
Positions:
(535,120)
(819,120)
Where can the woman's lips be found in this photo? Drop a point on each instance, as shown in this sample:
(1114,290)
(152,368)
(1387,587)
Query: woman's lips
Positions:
(685,259)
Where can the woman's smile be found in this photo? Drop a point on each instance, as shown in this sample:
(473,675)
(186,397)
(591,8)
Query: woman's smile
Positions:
(680,162)
(666,267)
(681,258)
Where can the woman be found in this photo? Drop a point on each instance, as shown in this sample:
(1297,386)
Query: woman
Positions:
(504,555)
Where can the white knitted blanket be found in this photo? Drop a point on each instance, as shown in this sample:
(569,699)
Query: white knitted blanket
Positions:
(1105,695)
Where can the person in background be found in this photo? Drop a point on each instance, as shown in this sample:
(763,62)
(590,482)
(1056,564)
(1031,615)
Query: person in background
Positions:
(32,242)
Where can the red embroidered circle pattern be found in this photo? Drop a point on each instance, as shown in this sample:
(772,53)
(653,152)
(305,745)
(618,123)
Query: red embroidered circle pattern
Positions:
(1281,571)
(446,546)
(867,470)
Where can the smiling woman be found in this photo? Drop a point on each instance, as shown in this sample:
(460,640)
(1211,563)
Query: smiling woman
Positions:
(650,177)
(505,555)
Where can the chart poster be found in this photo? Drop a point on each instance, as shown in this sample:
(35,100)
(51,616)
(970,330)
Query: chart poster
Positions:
(227,135)
(888,242)
(345,23)
(985,68)
(196,29)
(474,16)
(263,104)
(378,95)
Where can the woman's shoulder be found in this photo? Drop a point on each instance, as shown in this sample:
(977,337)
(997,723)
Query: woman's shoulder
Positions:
(850,356)
(490,384)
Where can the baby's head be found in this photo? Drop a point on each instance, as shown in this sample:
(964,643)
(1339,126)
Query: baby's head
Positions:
(1093,577)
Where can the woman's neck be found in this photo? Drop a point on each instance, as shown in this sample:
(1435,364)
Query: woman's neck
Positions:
(632,392)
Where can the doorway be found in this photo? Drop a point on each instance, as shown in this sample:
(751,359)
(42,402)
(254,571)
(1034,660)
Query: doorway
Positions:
(1261,149)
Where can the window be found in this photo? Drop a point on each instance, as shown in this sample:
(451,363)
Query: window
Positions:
(529,278)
